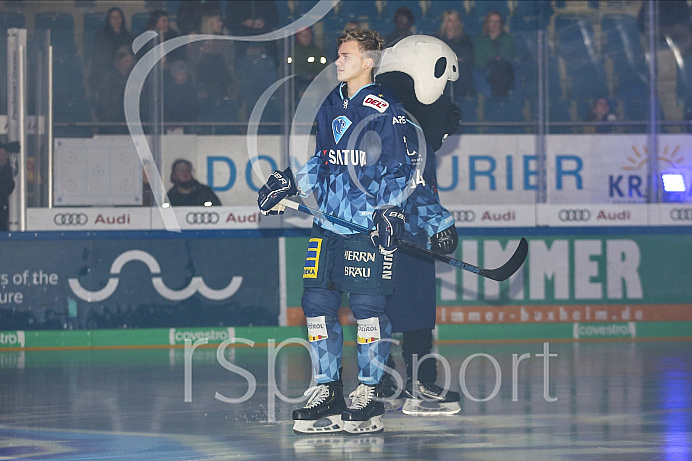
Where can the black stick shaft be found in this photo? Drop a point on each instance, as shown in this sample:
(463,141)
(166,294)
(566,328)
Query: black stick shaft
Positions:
(501,273)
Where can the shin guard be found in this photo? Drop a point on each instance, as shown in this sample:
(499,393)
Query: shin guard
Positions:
(326,344)
(374,342)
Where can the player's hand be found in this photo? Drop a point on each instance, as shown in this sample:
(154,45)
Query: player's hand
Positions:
(389,226)
(280,185)
(445,241)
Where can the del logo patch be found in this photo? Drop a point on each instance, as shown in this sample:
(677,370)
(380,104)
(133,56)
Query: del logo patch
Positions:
(380,105)
(339,127)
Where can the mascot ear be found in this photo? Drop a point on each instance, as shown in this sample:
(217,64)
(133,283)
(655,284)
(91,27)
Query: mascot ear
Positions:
(428,60)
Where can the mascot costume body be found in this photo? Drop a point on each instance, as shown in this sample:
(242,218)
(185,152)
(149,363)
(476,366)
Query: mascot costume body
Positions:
(417,68)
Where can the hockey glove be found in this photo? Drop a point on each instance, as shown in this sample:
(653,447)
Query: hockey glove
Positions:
(279,186)
(445,241)
(389,226)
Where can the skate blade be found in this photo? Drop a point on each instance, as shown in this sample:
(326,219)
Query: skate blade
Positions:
(321,426)
(416,407)
(391,404)
(374,424)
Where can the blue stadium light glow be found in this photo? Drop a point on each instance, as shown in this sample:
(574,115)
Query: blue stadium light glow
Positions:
(673,182)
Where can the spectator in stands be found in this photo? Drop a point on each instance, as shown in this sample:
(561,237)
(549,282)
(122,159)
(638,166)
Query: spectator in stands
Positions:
(251,17)
(113,36)
(6,183)
(179,96)
(159,22)
(403,23)
(600,114)
(452,33)
(308,60)
(111,90)
(191,13)
(351,25)
(186,190)
(211,61)
(494,50)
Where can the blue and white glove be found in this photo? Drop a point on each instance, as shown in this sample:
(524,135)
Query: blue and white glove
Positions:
(279,186)
(389,226)
(445,241)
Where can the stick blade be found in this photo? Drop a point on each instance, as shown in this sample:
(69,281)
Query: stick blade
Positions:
(511,266)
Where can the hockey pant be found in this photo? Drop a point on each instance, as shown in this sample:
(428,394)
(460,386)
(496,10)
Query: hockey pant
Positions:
(321,307)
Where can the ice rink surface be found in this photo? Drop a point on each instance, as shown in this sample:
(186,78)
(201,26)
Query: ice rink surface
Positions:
(623,400)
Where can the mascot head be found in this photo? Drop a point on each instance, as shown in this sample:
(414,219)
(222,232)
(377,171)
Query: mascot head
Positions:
(417,68)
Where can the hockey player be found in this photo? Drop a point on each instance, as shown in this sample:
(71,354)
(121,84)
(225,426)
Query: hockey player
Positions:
(359,172)
(417,68)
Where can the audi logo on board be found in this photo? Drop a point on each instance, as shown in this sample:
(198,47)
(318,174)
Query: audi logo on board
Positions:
(202,217)
(681,214)
(70,219)
(566,215)
(463,215)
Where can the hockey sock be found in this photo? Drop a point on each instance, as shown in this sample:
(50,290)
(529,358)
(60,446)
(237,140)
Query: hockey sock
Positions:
(419,342)
(326,345)
(374,342)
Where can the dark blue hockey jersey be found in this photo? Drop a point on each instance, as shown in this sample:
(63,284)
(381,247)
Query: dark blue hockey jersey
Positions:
(425,216)
(361,161)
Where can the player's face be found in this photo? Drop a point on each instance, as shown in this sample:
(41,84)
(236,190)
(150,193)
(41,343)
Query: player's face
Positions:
(351,64)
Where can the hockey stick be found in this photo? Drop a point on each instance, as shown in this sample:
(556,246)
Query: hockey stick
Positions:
(501,273)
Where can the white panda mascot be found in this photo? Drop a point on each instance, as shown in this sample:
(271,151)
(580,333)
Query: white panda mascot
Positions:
(417,68)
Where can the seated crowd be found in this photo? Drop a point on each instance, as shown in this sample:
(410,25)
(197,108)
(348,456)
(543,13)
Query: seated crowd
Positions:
(218,81)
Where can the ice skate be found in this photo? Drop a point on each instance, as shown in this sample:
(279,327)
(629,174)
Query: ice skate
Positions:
(322,413)
(429,399)
(365,413)
(392,393)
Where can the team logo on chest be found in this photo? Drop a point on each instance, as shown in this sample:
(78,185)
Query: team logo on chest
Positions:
(339,127)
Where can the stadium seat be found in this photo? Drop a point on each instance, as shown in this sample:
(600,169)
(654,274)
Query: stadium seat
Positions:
(577,48)
(508,110)
(258,73)
(575,37)
(530,76)
(358,10)
(533,9)
(621,43)
(391,6)
(435,8)
(223,111)
(11,20)
(587,79)
(93,23)
(469,114)
(481,8)
(684,78)
(636,109)
(61,27)
(173,6)
(138,23)
(559,111)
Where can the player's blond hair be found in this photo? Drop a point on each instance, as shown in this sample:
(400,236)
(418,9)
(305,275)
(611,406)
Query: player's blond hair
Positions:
(370,42)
